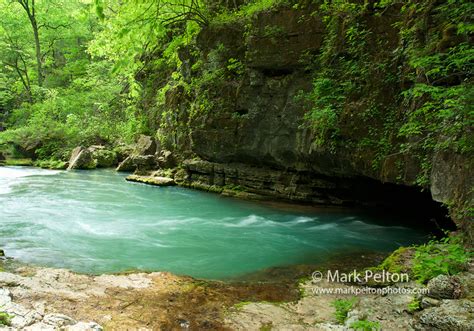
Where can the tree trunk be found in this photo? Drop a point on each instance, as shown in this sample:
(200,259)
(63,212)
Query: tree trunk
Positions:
(39,62)
(30,11)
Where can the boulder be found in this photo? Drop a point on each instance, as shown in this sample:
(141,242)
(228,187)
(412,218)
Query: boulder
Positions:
(92,157)
(450,315)
(181,176)
(27,150)
(445,287)
(82,158)
(142,157)
(166,160)
(123,151)
(144,163)
(146,145)
(137,163)
(127,165)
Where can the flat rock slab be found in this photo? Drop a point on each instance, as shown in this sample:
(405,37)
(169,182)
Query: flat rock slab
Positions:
(151,180)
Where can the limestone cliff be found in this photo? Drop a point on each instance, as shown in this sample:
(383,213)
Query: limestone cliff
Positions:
(240,107)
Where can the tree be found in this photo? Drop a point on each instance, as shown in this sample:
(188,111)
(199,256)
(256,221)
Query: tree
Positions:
(17,61)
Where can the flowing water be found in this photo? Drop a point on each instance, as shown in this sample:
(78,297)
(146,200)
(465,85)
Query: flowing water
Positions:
(95,222)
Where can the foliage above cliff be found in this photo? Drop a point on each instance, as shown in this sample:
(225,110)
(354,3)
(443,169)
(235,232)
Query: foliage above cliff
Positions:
(412,81)
(391,77)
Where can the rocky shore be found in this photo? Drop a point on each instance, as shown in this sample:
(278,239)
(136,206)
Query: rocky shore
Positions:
(57,299)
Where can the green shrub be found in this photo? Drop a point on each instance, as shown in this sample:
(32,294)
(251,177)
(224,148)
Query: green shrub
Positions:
(266,327)
(235,66)
(19,162)
(343,306)
(51,164)
(440,257)
(5,319)
(366,325)
(398,261)
(414,305)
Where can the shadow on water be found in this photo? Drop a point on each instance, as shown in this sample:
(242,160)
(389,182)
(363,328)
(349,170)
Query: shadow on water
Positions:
(343,261)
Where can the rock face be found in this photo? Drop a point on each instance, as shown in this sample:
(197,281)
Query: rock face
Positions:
(255,117)
(251,182)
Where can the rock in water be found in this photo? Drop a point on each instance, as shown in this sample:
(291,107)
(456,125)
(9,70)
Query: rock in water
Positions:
(157,181)
(142,157)
(91,158)
(82,158)
(127,165)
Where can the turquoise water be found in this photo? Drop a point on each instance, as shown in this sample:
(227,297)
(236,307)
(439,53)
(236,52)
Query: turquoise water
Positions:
(95,222)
